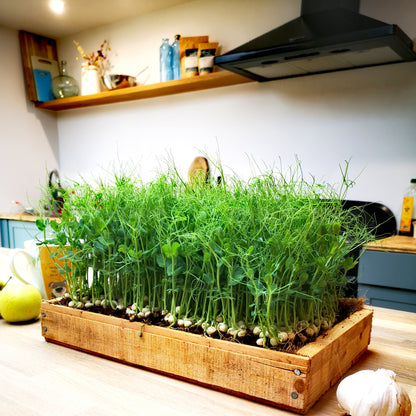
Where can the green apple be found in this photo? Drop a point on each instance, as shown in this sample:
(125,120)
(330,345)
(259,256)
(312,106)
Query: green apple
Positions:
(20,302)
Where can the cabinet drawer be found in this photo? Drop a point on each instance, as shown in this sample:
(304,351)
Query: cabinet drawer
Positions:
(404,300)
(387,269)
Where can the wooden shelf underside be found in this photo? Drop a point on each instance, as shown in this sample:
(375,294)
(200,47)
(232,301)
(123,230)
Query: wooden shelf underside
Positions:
(214,80)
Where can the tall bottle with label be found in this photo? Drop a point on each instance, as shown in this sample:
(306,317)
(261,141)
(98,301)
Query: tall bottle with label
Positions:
(408,210)
(165,61)
(176,66)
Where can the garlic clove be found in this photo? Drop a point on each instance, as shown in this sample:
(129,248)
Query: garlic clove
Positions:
(374,393)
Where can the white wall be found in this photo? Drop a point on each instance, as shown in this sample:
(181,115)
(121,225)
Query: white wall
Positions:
(28,136)
(366,116)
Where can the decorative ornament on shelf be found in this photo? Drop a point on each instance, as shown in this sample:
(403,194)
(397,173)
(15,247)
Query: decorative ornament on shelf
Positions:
(63,85)
(92,68)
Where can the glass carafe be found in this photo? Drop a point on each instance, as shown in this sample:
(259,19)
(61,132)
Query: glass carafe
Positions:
(63,85)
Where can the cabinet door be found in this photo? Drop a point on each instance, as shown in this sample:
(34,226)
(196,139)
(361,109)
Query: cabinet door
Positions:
(20,231)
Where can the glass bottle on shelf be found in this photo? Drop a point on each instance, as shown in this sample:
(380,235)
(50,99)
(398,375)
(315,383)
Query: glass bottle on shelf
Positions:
(63,85)
(176,67)
(165,61)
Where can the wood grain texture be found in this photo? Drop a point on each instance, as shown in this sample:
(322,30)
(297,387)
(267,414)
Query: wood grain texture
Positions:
(34,45)
(292,381)
(19,217)
(214,80)
(41,378)
(396,243)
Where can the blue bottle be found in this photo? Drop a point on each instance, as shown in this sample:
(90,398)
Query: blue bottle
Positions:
(176,66)
(165,61)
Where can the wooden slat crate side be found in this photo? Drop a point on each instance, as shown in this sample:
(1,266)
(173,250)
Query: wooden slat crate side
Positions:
(332,358)
(292,381)
(285,360)
(259,379)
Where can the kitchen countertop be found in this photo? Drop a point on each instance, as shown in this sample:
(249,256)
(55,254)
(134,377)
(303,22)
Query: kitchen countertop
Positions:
(396,244)
(41,378)
(25,217)
(19,217)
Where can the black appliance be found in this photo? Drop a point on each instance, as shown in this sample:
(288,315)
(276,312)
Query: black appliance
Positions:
(329,35)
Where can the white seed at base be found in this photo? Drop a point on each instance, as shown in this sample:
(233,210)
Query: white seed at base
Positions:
(232,331)
(222,327)
(171,319)
(181,322)
(242,333)
(97,302)
(71,304)
(218,319)
(259,342)
(211,330)
(274,342)
(89,304)
(187,323)
(324,325)
(309,331)
(283,336)
(256,330)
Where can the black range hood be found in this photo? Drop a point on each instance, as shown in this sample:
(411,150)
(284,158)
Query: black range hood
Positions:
(330,35)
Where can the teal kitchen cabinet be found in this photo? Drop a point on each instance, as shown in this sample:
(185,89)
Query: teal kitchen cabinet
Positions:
(14,233)
(387,273)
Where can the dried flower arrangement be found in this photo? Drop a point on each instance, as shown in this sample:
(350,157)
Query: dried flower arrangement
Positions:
(94,58)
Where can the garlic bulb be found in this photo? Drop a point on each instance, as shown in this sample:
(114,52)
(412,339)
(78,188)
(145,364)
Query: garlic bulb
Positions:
(373,393)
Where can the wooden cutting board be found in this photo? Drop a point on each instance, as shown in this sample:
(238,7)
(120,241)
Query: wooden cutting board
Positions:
(396,243)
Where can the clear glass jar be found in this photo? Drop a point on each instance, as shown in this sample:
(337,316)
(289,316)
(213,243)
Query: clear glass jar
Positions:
(63,85)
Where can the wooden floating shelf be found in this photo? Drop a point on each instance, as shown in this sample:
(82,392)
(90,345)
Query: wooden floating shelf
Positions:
(290,381)
(214,80)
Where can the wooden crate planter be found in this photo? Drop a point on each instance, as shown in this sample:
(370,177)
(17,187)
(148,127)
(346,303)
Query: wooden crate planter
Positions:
(291,381)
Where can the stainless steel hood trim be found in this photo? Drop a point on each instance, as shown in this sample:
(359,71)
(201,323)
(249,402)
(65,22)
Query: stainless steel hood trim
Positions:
(315,35)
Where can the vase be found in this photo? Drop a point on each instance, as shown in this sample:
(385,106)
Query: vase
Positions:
(63,85)
(90,80)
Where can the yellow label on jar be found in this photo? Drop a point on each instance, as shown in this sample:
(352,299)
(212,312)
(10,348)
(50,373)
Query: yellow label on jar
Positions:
(406,219)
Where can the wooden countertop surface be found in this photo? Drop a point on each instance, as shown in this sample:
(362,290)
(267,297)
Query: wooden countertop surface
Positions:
(396,243)
(40,379)
(19,217)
